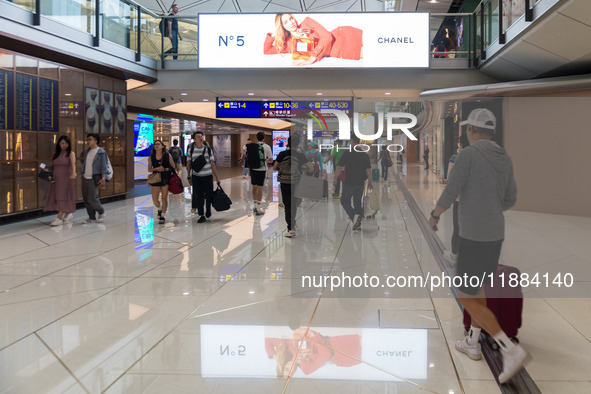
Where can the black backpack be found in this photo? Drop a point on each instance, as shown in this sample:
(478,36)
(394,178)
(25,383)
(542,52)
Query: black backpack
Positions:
(176,153)
(289,170)
(163,27)
(255,155)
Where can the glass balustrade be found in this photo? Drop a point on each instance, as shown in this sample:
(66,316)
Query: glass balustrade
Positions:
(125,23)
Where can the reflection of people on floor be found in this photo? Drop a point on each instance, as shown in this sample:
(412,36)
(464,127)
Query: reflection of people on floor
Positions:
(344,42)
(315,352)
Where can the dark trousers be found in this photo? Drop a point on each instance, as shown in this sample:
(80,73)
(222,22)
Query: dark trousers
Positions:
(384,170)
(354,192)
(175,46)
(290,203)
(426,162)
(455,238)
(202,193)
(90,192)
(337,189)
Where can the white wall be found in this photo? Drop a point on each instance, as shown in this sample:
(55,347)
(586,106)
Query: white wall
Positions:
(549,141)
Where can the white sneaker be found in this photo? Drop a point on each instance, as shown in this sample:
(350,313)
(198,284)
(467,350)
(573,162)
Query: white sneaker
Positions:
(89,220)
(68,217)
(57,222)
(472,351)
(290,234)
(100,218)
(450,258)
(259,211)
(513,361)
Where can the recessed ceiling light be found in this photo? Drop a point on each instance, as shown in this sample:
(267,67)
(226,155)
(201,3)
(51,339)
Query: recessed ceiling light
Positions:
(387,93)
(205,99)
(319,94)
(251,94)
(184,94)
(68,94)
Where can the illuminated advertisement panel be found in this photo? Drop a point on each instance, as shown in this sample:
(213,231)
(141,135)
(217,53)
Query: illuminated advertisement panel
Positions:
(314,40)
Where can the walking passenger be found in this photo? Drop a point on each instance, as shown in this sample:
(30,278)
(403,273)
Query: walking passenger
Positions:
(258,154)
(61,196)
(160,162)
(335,156)
(173,32)
(386,162)
(94,172)
(177,157)
(290,164)
(357,169)
(201,166)
(483,177)
(243,159)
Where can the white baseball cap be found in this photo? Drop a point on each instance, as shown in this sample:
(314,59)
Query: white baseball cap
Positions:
(481,117)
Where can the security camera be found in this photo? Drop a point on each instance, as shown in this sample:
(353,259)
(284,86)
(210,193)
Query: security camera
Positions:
(163,99)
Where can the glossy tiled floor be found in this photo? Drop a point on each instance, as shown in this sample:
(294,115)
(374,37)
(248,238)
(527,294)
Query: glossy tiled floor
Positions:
(129,306)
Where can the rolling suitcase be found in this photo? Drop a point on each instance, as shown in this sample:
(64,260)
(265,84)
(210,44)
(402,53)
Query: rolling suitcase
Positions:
(505,302)
(375,175)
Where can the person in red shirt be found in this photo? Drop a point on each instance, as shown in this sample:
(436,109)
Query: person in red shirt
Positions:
(345,42)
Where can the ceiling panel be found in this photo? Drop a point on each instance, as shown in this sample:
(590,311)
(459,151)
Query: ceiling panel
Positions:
(578,10)
(568,38)
(533,57)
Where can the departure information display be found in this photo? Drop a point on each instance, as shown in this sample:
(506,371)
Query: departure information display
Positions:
(277,109)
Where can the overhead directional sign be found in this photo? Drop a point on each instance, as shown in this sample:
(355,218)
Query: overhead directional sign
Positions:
(277,109)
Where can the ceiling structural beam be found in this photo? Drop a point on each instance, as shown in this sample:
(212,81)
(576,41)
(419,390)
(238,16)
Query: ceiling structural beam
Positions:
(363,6)
(331,4)
(303,6)
(237,6)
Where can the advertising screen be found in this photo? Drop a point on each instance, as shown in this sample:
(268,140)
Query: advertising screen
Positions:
(143,138)
(314,40)
(279,141)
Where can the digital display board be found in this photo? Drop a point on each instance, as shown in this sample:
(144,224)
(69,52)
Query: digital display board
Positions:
(48,104)
(6,100)
(26,102)
(343,40)
(144,138)
(279,142)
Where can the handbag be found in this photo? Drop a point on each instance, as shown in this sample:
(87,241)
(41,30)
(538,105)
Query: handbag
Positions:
(374,201)
(154,177)
(175,185)
(220,200)
(46,176)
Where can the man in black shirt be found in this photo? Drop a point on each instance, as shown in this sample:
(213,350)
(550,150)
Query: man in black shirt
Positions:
(291,164)
(357,169)
(173,32)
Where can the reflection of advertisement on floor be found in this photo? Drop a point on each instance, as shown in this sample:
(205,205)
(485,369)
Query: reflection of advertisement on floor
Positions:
(314,40)
(223,150)
(279,141)
(324,353)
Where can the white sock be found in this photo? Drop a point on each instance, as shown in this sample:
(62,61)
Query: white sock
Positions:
(504,342)
(473,335)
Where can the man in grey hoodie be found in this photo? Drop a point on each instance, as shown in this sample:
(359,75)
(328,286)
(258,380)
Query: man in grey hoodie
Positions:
(483,178)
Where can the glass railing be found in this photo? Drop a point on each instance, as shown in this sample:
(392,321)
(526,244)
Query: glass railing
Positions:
(452,38)
(28,4)
(125,23)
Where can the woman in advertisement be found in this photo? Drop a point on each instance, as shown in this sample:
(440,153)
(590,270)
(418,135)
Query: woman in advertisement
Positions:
(316,351)
(309,41)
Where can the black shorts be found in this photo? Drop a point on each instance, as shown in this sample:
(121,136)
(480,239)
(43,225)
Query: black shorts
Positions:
(476,258)
(257,178)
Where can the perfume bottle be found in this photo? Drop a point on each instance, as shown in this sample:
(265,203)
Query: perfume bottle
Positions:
(303,44)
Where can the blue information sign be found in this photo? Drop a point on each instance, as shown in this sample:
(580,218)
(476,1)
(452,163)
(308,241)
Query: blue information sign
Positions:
(238,109)
(277,109)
